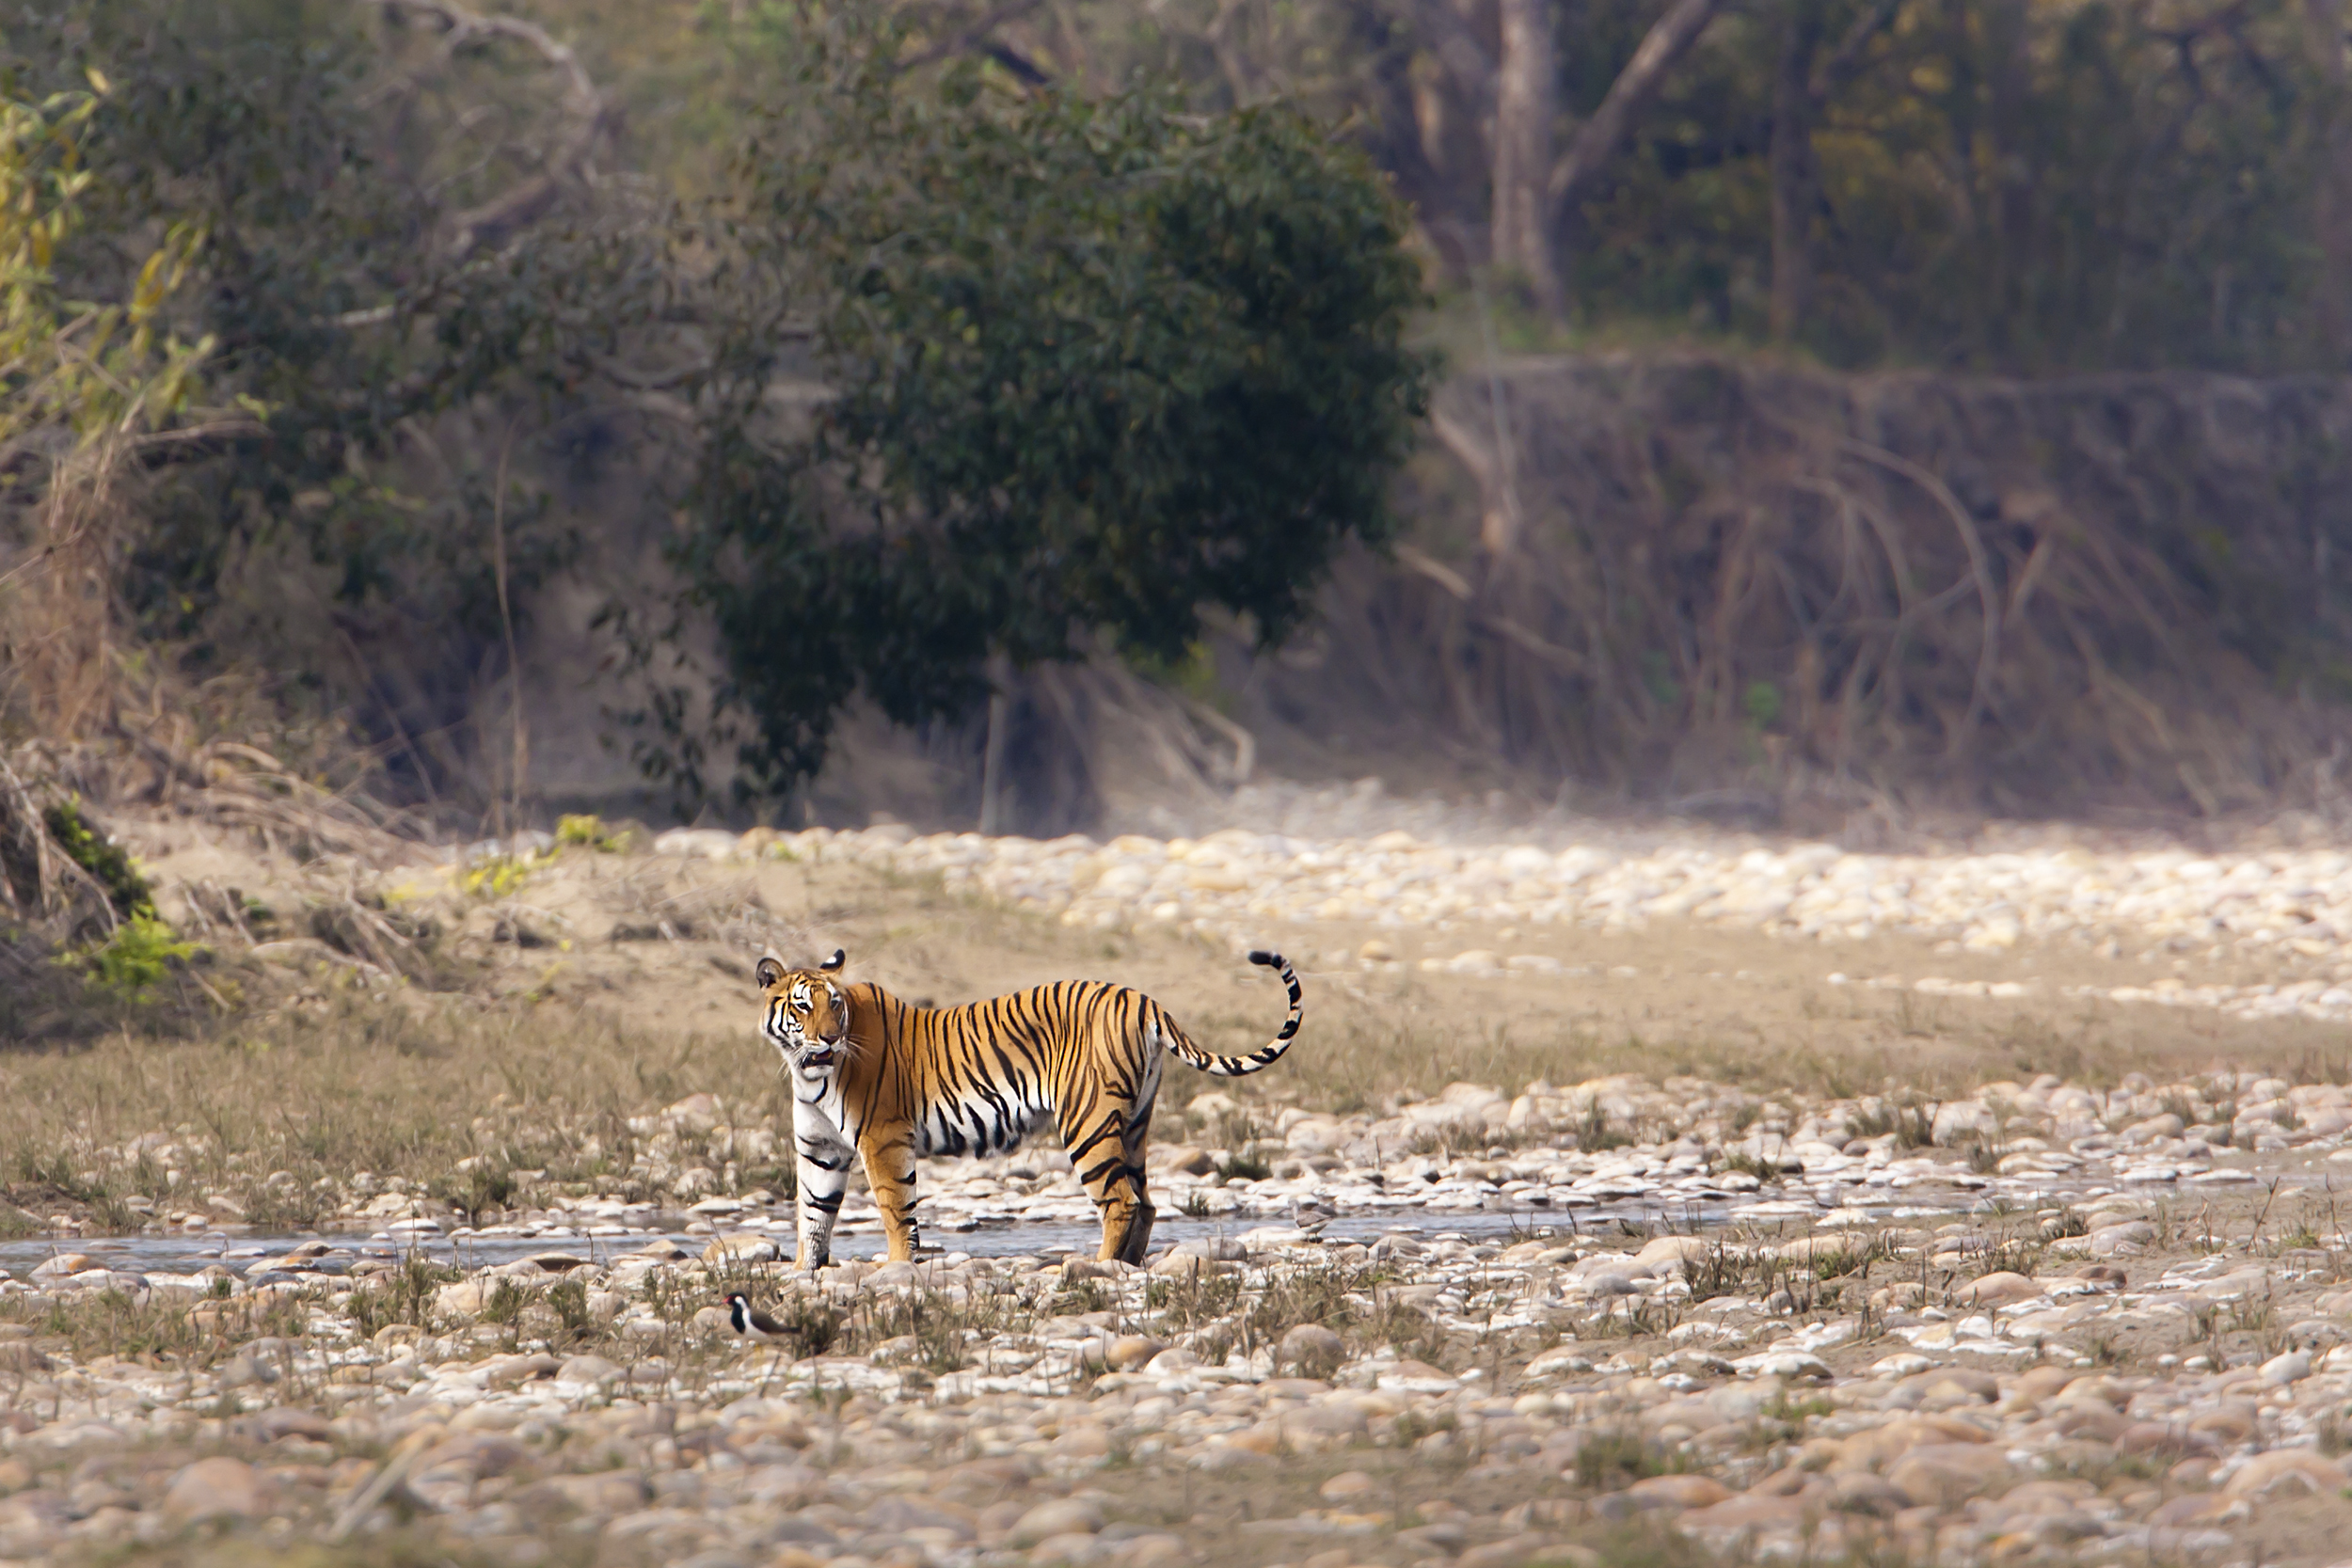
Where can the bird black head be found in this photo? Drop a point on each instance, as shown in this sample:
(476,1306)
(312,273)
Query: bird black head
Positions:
(739,1312)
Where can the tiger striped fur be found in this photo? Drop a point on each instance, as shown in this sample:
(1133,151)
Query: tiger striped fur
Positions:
(874,1075)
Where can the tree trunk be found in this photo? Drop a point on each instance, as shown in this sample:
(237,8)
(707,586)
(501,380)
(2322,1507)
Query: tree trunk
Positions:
(1445,93)
(1428,129)
(2008,66)
(1959,112)
(1524,110)
(1795,181)
(1232,53)
(993,757)
(2331,202)
(2324,20)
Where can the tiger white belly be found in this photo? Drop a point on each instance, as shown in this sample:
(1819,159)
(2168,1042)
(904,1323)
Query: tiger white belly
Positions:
(985,1126)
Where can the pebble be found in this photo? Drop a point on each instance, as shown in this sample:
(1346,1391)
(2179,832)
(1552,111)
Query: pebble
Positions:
(1771,1430)
(1063,1517)
(217,1488)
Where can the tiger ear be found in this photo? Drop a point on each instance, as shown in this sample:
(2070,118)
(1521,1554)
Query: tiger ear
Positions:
(838,958)
(768,973)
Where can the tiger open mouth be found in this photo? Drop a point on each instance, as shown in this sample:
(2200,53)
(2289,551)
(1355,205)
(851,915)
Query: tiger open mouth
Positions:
(823,1057)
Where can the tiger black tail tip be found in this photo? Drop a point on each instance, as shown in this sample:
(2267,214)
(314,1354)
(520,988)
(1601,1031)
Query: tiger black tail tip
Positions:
(1267,1054)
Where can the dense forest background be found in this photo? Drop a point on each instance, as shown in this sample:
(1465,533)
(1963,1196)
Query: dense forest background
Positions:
(2017,185)
(450,392)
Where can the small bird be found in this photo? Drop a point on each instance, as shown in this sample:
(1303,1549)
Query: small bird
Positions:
(752,1324)
(1312,1214)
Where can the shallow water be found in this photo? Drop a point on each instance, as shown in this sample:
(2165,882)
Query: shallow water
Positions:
(859,1236)
(184,1253)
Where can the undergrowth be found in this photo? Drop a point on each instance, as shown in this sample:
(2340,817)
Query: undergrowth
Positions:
(87,846)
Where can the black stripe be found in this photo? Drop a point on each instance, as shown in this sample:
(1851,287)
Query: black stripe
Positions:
(1108,1129)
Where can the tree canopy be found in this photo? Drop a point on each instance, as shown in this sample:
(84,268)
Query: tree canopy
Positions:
(1093,365)
(2072,185)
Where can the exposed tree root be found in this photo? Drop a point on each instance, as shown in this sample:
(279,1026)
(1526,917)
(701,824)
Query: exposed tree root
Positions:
(1733,580)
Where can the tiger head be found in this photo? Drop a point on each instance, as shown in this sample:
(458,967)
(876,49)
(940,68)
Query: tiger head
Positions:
(807,1015)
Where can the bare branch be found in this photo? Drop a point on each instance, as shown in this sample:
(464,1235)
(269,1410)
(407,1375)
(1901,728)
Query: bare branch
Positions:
(227,427)
(1435,571)
(1466,448)
(1456,45)
(1245,744)
(647,381)
(498,219)
(1233,59)
(659,381)
(1499,525)
(1504,626)
(976,37)
(1844,61)
(1024,70)
(463,24)
(1599,138)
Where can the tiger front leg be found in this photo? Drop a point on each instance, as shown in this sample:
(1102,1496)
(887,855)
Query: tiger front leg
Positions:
(821,1161)
(890,1175)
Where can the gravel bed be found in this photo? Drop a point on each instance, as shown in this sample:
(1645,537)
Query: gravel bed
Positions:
(2006,1328)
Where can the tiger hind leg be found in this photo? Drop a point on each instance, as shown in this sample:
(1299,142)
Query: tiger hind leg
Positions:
(1110,1163)
(1127,1217)
(1107,1126)
(1138,1236)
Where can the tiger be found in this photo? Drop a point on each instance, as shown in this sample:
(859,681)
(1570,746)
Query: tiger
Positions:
(891,1081)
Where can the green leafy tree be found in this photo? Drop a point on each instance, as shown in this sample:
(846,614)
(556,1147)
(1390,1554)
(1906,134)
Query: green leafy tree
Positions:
(88,370)
(87,385)
(1083,365)
(400,282)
